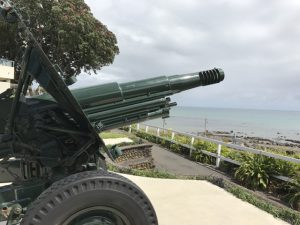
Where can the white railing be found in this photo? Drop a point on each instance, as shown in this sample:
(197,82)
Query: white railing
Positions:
(217,155)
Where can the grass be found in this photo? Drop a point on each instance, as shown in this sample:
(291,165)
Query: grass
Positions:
(141,173)
(106,135)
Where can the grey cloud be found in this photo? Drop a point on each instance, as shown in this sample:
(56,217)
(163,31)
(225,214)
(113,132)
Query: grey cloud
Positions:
(255,42)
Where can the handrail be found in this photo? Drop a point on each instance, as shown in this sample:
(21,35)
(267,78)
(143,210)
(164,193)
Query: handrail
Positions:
(234,146)
(218,155)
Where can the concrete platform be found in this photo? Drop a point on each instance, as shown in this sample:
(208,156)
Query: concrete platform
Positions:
(114,141)
(193,202)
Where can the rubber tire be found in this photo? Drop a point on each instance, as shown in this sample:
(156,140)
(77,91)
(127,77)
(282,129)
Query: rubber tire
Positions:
(87,189)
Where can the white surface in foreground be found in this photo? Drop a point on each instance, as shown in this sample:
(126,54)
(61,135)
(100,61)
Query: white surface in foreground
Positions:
(193,202)
(114,141)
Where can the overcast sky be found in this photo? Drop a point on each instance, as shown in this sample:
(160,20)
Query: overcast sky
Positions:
(256,43)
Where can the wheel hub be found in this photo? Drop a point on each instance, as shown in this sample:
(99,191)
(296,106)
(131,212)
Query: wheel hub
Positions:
(98,215)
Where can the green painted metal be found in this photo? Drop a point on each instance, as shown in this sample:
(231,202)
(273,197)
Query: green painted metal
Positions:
(141,107)
(116,151)
(130,119)
(138,98)
(47,138)
(114,92)
(100,95)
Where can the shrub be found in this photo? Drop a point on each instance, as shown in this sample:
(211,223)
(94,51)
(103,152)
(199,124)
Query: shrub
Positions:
(198,156)
(233,154)
(204,145)
(182,139)
(175,147)
(284,168)
(293,196)
(254,172)
(228,167)
(149,137)
(165,143)
(166,134)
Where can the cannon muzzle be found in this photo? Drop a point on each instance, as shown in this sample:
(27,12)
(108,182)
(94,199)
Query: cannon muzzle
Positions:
(161,86)
(113,105)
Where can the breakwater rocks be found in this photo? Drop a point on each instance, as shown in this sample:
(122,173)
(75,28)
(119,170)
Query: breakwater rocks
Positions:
(293,141)
(284,143)
(136,157)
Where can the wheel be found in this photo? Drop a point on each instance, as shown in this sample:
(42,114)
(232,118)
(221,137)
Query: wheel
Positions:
(91,198)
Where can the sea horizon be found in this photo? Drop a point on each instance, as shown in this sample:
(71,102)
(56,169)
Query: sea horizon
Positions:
(237,108)
(265,123)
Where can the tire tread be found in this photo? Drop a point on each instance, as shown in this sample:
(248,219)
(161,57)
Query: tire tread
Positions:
(57,193)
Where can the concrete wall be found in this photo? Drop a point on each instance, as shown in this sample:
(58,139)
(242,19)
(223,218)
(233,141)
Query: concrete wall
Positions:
(6,74)
(4,86)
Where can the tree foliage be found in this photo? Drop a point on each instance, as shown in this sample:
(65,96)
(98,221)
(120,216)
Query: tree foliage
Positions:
(67,31)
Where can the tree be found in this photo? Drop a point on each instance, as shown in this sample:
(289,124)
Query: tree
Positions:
(68,33)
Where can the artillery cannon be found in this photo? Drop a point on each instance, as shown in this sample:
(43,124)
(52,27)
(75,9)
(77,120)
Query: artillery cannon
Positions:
(52,154)
(114,105)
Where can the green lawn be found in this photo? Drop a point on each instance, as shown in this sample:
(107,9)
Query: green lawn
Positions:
(106,135)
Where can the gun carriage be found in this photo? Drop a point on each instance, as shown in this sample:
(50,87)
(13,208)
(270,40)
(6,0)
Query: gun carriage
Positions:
(51,151)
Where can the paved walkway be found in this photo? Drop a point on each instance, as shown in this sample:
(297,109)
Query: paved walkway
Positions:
(194,202)
(170,162)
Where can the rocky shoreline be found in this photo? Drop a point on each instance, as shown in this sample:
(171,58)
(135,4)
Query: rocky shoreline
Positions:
(287,145)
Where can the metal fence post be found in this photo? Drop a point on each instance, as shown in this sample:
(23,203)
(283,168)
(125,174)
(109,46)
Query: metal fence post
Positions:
(219,149)
(191,149)
(234,138)
(138,126)
(218,159)
(146,129)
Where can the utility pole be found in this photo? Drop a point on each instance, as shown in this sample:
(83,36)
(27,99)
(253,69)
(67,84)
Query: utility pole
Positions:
(205,126)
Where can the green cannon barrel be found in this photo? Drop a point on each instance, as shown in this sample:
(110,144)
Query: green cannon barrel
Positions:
(141,107)
(104,94)
(113,105)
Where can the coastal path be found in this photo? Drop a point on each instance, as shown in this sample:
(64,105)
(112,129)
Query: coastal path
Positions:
(172,163)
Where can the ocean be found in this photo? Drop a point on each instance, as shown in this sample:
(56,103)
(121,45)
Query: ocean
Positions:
(272,124)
